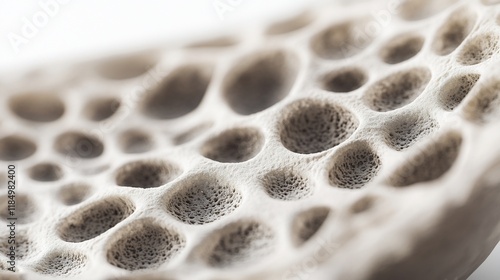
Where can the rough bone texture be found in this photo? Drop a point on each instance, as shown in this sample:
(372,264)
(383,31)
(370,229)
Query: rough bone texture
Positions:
(353,141)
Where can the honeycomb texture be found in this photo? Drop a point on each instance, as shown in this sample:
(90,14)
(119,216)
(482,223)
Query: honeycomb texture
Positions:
(355,140)
(143,245)
(94,219)
(240,243)
(202,200)
(286,185)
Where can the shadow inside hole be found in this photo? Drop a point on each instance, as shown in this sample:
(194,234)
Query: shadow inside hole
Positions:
(15,147)
(344,80)
(37,107)
(310,126)
(46,172)
(78,145)
(74,193)
(402,48)
(135,141)
(179,93)
(129,66)
(259,81)
(100,109)
(307,223)
(146,174)
(234,145)
(454,31)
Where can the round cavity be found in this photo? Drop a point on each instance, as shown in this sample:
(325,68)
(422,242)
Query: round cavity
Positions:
(146,174)
(344,80)
(16,147)
(285,184)
(401,48)
(310,126)
(24,210)
(420,9)
(259,81)
(479,49)
(24,246)
(126,66)
(45,172)
(134,141)
(307,223)
(143,244)
(362,205)
(79,145)
(94,219)
(432,161)
(234,145)
(407,129)
(354,167)
(74,193)
(239,243)
(454,31)
(37,107)
(203,199)
(291,24)
(99,109)
(397,90)
(456,89)
(342,40)
(179,93)
(62,264)
(484,106)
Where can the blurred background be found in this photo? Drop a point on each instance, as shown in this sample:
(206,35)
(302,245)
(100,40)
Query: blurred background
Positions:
(79,29)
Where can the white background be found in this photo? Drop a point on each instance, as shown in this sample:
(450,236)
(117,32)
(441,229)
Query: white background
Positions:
(92,27)
(82,28)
